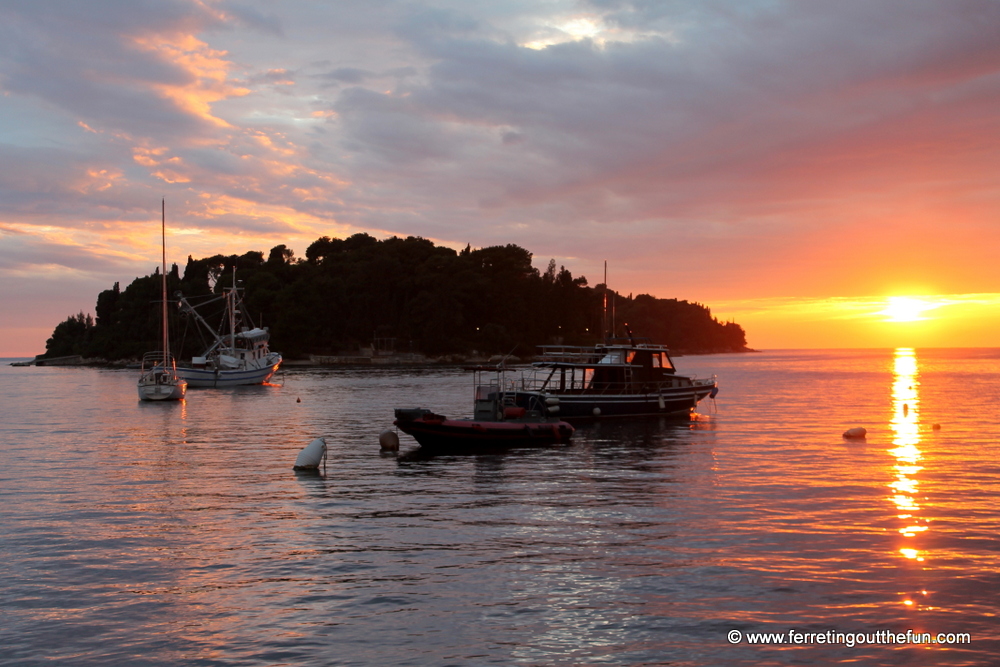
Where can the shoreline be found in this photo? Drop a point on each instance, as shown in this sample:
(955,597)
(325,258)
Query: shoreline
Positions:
(327,361)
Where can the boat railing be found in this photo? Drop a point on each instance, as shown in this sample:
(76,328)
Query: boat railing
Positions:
(576,354)
(541,382)
(710,381)
(569,354)
(158,358)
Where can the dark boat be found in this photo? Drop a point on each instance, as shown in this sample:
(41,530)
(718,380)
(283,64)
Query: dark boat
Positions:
(502,417)
(623,377)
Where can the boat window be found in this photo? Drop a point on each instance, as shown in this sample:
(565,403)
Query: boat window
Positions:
(630,357)
(666,362)
(656,360)
(588,378)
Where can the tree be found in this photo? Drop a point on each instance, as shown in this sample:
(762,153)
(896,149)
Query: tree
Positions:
(70,336)
(437,300)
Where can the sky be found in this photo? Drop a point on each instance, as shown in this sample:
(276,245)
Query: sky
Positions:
(790,165)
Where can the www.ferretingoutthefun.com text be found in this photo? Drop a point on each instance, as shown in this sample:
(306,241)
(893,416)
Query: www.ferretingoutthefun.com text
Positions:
(879,637)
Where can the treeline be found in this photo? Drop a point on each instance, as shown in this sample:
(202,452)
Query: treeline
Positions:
(346,293)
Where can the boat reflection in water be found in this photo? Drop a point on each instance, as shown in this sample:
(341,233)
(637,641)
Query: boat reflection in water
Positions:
(905,424)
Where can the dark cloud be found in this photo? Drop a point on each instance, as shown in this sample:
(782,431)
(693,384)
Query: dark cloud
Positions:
(272,77)
(350,75)
(266,22)
(766,90)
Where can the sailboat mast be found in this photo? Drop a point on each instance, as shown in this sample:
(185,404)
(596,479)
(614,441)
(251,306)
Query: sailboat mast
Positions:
(163,277)
(604,317)
(232,313)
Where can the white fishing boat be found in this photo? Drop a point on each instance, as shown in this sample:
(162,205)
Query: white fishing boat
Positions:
(239,353)
(158,379)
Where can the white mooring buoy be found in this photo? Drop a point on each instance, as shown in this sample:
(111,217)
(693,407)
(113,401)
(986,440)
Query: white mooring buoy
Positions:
(388,441)
(856,433)
(313,454)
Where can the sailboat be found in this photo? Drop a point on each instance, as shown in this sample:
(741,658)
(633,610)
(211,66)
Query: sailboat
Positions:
(158,380)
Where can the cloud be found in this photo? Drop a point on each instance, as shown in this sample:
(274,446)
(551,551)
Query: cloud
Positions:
(764,138)
(350,75)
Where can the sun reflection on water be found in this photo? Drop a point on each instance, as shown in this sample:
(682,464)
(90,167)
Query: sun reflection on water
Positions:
(906,438)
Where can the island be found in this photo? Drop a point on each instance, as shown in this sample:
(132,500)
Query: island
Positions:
(403,298)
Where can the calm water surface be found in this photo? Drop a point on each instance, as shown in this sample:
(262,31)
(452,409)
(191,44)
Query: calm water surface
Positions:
(161,534)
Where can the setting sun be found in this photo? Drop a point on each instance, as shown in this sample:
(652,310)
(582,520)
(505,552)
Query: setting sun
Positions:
(906,309)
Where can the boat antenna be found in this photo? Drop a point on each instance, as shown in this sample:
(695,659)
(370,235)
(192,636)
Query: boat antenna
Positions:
(613,304)
(604,317)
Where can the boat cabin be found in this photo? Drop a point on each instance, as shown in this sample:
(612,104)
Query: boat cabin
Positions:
(625,367)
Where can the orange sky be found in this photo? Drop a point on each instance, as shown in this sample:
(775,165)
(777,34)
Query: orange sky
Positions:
(789,165)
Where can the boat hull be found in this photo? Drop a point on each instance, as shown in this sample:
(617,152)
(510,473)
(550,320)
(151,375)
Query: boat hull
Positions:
(206,377)
(450,434)
(170,391)
(670,402)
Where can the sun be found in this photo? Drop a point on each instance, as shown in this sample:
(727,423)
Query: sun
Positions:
(906,309)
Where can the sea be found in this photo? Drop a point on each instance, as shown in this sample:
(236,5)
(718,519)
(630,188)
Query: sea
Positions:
(753,533)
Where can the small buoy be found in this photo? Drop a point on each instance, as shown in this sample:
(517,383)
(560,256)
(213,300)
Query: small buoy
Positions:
(313,454)
(597,412)
(858,432)
(298,400)
(936,427)
(906,409)
(388,441)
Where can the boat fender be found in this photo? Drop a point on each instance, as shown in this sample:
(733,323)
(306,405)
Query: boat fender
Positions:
(856,433)
(551,400)
(552,409)
(715,392)
(597,412)
(388,441)
(663,404)
(312,455)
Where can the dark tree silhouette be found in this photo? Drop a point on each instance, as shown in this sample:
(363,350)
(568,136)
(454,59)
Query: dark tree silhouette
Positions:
(346,293)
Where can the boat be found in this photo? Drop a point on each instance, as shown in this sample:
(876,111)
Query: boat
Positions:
(239,353)
(158,378)
(622,377)
(501,418)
